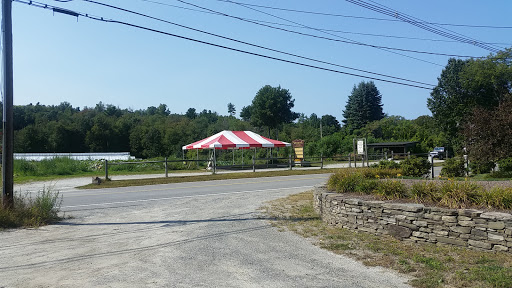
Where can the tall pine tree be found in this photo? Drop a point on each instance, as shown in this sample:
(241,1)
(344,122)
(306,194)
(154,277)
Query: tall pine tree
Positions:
(363,106)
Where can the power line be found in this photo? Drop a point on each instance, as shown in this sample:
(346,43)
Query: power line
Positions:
(247,43)
(414,21)
(360,17)
(97,18)
(322,29)
(316,36)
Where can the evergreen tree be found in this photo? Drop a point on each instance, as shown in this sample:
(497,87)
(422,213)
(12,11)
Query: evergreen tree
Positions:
(363,106)
(231,109)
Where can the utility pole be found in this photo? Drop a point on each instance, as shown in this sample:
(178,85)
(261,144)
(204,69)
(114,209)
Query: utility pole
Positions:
(7,92)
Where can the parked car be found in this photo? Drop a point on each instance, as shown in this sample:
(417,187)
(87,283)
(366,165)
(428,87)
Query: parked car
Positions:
(439,152)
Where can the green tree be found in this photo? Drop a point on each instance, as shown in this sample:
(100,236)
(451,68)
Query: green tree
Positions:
(231,109)
(363,106)
(449,101)
(330,125)
(245,113)
(467,84)
(191,113)
(271,107)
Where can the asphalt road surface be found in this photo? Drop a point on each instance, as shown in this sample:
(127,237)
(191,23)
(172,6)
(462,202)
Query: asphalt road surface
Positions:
(202,234)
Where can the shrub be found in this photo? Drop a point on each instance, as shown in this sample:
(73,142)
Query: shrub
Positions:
(426,191)
(415,167)
(453,167)
(452,194)
(386,164)
(391,189)
(481,167)
(459,194)
(505,165)
(334,181)
(497,197)
(373,173)
(367,186)
(500,174)
(349,183)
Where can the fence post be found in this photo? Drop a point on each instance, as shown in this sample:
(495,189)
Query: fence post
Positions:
(322,160)
(349,161)
(355,160)
(106,170)
(392,156)
(432,165)
(253,164)
(408,154)
(386,155)
(166,171)
(290,161)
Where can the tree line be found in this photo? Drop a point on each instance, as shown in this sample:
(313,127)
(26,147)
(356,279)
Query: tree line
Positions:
(156,132)
(470,109)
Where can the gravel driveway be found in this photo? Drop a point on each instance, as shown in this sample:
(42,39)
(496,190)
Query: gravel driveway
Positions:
(212,241)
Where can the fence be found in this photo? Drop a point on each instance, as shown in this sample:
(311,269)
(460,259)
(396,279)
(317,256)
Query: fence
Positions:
(276,162)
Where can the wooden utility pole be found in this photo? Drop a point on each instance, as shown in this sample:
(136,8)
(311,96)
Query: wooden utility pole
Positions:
(7,92)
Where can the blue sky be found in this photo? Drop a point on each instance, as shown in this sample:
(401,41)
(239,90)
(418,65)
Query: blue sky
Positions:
(59,58)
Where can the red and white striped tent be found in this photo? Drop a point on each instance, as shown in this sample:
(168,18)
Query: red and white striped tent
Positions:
(235,140)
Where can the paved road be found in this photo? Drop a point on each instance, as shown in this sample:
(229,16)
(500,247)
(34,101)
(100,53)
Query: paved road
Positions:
(75,200)
(207,234)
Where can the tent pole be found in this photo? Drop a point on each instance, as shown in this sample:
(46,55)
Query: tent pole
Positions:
(214,161)
(233,157)
(254,161)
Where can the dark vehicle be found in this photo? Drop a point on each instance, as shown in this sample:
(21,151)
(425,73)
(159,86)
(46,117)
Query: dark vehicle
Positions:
(439,152)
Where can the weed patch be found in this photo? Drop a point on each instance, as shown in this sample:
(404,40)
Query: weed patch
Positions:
(30,211)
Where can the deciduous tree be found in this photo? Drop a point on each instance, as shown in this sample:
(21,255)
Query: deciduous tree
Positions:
(468,84)
(271,107)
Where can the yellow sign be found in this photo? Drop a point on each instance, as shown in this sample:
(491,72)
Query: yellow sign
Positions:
(299,153)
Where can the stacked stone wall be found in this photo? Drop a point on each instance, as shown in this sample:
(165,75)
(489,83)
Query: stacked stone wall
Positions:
(416,222)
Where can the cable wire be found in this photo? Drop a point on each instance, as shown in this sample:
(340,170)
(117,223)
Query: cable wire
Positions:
(411,20)
(97,18)
(322,29)
(250,44)
(305,34)
(359,17)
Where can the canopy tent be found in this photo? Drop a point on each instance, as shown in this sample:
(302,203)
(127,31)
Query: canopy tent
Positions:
(235,140)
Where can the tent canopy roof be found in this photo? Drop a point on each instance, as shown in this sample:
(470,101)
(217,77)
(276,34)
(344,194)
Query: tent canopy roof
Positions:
(235,140)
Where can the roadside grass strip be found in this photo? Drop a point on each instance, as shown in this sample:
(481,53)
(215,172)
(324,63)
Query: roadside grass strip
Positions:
(428,264)
(220,176)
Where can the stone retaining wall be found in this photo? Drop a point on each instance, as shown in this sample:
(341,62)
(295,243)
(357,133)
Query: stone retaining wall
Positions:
(417,223)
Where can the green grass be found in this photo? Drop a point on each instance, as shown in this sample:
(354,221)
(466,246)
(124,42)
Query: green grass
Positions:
(63,167)
(42,209)
(429,265)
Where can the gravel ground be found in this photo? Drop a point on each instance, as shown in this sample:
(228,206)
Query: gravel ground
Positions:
(214,241)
